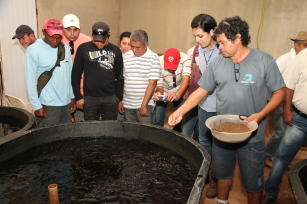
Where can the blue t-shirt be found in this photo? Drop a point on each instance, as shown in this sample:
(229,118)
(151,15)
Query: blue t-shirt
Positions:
(205,57)
(41,57)
(243,88)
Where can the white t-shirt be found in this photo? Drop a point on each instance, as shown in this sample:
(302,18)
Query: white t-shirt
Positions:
(296,79)
(284,60)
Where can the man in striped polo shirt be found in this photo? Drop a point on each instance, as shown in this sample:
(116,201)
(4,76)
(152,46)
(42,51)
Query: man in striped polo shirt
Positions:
(141,73)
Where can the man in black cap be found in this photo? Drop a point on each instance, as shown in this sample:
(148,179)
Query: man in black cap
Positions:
(25,35)
(102,64)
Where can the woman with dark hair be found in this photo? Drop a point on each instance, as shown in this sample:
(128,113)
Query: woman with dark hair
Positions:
(124,42)
(203,26)
(124,45)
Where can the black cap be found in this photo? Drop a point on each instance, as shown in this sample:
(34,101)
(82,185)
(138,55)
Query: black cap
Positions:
(100,31)
(22,30)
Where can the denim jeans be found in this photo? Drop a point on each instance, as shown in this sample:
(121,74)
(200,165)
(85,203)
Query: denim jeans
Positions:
(104,107)
(78,115)
(134,115)
(190,122)
(121,117)
(204,133)
(250,158)
(279,131)
(55,115)
(160,111)
(295,137)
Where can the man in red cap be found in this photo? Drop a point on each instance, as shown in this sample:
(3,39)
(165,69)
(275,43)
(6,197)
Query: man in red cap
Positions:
(173,83)
(53,104)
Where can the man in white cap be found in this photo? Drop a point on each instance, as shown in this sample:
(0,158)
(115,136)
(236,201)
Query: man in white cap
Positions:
(72,35)
(74,38)
(300,43)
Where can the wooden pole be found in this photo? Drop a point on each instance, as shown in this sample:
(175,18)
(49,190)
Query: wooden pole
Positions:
(53,194)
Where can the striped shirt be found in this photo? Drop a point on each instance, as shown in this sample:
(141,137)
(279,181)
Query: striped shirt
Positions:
(137,72)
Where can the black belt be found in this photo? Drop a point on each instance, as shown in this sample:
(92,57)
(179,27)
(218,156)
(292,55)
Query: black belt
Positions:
(299,112)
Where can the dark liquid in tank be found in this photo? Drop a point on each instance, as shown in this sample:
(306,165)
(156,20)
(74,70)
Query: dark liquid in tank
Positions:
(102,170)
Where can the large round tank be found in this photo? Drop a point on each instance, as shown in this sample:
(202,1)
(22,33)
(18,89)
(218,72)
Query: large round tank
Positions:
(14,121)
(171,140)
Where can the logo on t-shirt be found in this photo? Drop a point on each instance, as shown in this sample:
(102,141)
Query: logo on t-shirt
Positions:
(104,58)
(248,79)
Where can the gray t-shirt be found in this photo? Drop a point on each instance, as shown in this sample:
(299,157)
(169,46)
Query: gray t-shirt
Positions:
(247,91)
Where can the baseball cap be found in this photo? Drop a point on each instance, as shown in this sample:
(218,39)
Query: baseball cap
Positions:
(53,26)
(22,30)
(70,20)
(301,36)
(171,58)
(100,31)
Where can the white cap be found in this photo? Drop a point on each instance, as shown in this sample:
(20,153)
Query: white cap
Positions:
(71,20)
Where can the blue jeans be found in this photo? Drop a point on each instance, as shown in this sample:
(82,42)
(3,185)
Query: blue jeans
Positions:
(161,108)
(279,131)
(295,137)
(250,159)
(121,117)
(190,122)
(204,133)
(104,107)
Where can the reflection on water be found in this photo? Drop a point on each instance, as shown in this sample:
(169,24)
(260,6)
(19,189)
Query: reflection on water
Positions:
(104,170)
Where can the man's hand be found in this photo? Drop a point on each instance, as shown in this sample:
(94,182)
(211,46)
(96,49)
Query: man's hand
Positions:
(143,111)
(254,117)
(40,113)
(175,118)
(172,97)
(120,107)
(73,106)
(155,96)
(288,117)
(80,103)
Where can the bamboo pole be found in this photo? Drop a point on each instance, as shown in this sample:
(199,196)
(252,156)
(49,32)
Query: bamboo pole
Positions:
(53,194)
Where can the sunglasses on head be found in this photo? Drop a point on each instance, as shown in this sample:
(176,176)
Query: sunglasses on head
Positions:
(101,41)
(53,25)
(98,32)
(71,46)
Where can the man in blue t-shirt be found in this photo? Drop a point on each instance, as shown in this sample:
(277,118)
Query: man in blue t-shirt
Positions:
(242,78)
(53,105)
